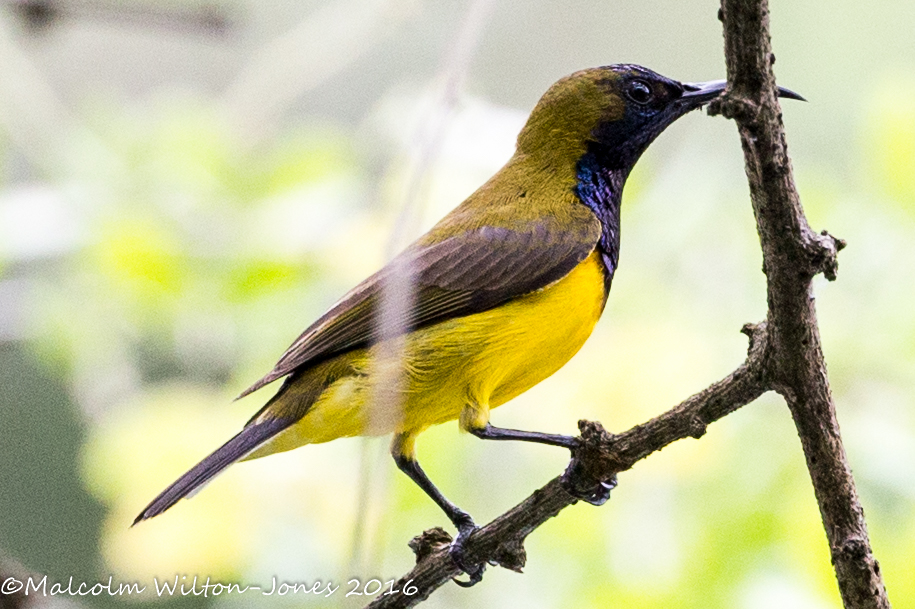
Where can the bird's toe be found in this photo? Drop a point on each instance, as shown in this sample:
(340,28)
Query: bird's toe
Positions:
(595,493)
(473,570)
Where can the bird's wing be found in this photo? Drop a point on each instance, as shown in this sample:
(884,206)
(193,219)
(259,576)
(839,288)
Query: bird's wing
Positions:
(464,274)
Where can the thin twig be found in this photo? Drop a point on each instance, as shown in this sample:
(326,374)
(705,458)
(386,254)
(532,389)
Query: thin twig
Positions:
(792,255)
(398,293)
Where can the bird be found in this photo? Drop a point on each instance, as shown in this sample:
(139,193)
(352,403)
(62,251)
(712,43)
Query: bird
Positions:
(493,299)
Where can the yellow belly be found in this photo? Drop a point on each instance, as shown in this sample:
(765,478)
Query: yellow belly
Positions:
(460,368)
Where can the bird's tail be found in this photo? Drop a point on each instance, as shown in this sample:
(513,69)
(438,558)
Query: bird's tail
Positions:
(248,439)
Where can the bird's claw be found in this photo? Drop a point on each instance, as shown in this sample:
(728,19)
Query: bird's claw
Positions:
(600,493)
(594,493)
(581,481)
(473,571)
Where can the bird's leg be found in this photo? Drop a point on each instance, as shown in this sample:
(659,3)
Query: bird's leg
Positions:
(402,449)
(594,494)
(490,432)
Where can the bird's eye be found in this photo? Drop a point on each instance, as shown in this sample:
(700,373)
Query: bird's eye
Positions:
(639,92)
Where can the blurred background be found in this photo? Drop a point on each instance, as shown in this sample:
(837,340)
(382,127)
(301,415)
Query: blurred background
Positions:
(184,186)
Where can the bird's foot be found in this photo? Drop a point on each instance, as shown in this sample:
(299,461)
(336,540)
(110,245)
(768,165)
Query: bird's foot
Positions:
(586,477)
(466,527)
(596,494)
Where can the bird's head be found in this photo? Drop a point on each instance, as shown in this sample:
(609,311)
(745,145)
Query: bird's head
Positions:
(614,112)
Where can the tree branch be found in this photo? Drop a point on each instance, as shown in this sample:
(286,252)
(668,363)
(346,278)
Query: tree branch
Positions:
(785,355)
(792,255)
(601,456)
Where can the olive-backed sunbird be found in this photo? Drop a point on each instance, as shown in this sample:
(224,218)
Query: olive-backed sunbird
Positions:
(505,289)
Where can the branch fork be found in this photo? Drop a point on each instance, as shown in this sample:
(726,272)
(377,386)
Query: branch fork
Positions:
(784,355)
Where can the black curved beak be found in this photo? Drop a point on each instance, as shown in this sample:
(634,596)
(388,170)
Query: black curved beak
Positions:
(696,94)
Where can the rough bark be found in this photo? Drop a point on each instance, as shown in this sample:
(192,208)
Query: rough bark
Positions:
(792,255)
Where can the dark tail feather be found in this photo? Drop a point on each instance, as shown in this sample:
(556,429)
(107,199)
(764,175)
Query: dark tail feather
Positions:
(243,443)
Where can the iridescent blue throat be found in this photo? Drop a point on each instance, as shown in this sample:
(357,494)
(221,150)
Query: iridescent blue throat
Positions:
(601,189)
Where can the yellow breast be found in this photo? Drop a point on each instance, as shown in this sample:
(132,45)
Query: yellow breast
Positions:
(459,368)
(481,361)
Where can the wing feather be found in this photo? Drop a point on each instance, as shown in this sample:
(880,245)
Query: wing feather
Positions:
(465,274)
